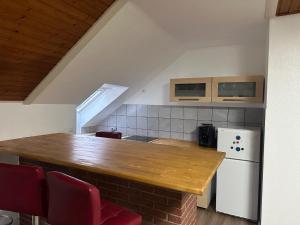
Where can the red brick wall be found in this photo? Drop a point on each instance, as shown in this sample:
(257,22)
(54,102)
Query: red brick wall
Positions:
(157,206)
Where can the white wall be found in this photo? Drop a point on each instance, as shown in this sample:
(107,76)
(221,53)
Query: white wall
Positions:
(18,120)
(281,175)
(213,61)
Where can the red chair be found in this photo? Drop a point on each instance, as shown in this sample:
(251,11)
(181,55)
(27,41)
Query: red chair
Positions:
(72,201)
(106,134)
(23,190)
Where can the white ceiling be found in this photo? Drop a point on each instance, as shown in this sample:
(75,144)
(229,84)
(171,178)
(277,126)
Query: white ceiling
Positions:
(137,39)
(208,22)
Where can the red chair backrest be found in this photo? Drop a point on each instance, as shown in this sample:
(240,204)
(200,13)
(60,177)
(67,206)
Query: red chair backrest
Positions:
(105,134)
(23,189)
(72,201)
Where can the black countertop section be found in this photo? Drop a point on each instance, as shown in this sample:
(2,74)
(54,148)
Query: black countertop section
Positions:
(140,138)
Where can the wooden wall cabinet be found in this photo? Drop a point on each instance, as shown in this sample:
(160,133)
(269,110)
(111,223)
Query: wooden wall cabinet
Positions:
(238,89)
(234,89)
(191,89)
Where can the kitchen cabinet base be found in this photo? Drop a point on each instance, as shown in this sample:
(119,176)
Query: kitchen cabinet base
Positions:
(204,200)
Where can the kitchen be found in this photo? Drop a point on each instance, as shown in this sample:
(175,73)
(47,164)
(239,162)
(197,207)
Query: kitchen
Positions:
(188,126)
(204,95)
(189,123)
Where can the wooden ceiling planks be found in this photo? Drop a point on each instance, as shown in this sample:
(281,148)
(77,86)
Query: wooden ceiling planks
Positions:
(35,35)
(286,7)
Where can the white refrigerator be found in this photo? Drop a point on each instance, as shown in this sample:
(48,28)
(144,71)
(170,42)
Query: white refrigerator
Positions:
(238,175)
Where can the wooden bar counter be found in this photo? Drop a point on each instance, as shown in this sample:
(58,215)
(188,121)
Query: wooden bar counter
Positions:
(158,181)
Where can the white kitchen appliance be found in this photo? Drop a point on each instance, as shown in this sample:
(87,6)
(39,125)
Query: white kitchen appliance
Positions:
(238,175)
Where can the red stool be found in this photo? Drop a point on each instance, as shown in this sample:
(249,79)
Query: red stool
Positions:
(72,201)
(23,190)
(106,134)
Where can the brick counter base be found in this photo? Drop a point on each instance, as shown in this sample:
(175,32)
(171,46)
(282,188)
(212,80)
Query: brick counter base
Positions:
(158,206)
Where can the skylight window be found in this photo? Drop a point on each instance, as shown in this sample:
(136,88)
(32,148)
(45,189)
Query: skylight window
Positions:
(91,98)
(97,102)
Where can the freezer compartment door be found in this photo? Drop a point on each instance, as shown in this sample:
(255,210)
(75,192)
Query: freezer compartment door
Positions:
(237,188)
(240,143)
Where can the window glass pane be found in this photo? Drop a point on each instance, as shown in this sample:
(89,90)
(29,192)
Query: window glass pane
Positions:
(190,90)
(237,89)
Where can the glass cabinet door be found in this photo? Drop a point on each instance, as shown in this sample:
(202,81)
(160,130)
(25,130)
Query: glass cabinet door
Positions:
(237,89)
(190,90)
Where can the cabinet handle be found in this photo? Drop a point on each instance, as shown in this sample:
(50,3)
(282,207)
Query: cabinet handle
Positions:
(232,100)
(188,99)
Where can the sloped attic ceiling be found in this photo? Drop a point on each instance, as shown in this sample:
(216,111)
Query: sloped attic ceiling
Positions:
(127,49)
(287,7)
(140,38)
(35,35)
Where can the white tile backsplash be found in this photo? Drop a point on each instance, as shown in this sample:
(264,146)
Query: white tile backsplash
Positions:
(176,122)
(152,123)
(190,137)
(236,115)
(123,130)
(152,133)
(131,110)
(164,134)
(164,112)
(142,132)
(205,114)
(111,128)
(142,123)
(220,124)
(201,122)
(220,115)
(131,122)
(253,125)
(190,126)
(142,110)
(153,110)
(122,121)
(131,131)
(177,112)
(190,113)
(164,124)
(176,125)
(236,125)
(101,128)
(112,121)
(176,135)
(254,116)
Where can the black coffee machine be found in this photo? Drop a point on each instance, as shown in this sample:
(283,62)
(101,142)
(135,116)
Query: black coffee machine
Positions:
(207,136)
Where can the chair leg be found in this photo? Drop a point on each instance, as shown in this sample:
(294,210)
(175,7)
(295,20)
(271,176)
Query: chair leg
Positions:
(35,220)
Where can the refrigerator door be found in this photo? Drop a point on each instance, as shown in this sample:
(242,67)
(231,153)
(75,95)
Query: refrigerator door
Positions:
(241,144)
(237,188)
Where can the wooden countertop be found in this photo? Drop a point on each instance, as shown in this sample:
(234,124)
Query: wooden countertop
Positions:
(181,169)
(181,143)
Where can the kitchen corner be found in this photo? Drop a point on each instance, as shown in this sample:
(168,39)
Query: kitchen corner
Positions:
(203,200)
